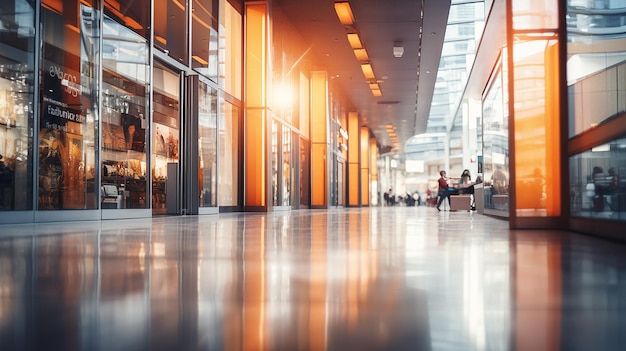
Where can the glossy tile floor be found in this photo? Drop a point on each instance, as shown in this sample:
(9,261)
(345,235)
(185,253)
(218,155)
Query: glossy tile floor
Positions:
(349,279)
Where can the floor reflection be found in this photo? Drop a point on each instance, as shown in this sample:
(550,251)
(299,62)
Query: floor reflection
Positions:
(354,279)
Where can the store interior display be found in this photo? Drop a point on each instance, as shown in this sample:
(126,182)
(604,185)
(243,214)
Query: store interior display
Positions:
(123,150)
(166,131)
(15,109)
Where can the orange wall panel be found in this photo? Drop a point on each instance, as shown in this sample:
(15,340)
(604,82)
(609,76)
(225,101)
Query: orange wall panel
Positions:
(353,184)
(255,158)
(319,139)
(319,115)
(319,172)
(256,105)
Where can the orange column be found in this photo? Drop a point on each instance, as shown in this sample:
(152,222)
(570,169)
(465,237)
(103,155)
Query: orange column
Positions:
(319,140)
(256,106)
(536,130)
(353,178)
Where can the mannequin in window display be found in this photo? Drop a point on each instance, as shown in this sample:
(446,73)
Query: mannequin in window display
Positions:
(134,135)
(134,139)
(160,142)
(172,146)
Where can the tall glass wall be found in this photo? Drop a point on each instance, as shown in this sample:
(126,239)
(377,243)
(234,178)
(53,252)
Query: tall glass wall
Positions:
(463,32)
(596,72)
(228,154)
(289,100)
(496,145)
(17,72)
(67,122)
(229,78)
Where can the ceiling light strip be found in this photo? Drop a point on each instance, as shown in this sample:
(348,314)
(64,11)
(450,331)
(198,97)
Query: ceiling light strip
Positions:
(344,12)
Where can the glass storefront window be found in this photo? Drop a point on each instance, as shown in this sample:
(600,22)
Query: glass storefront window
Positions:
(204,40)
(17,62)
(207,145)
(124,119)
(68,105)
(496,147)
(170,28)
(230,49)
(598,182)
(228,154)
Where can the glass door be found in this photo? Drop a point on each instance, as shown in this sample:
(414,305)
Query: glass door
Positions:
(125,97)
(166,141)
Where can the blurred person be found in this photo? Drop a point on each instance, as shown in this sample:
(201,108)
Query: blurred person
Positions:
(466,186)
(445,190)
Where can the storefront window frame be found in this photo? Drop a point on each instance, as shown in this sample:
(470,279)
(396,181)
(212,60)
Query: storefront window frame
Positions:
(71,133)
(21,76)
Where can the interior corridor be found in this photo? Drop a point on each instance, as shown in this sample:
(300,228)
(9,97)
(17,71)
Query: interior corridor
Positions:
(391,278)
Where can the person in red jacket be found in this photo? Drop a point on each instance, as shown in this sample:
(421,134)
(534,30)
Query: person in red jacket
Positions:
(444,190)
